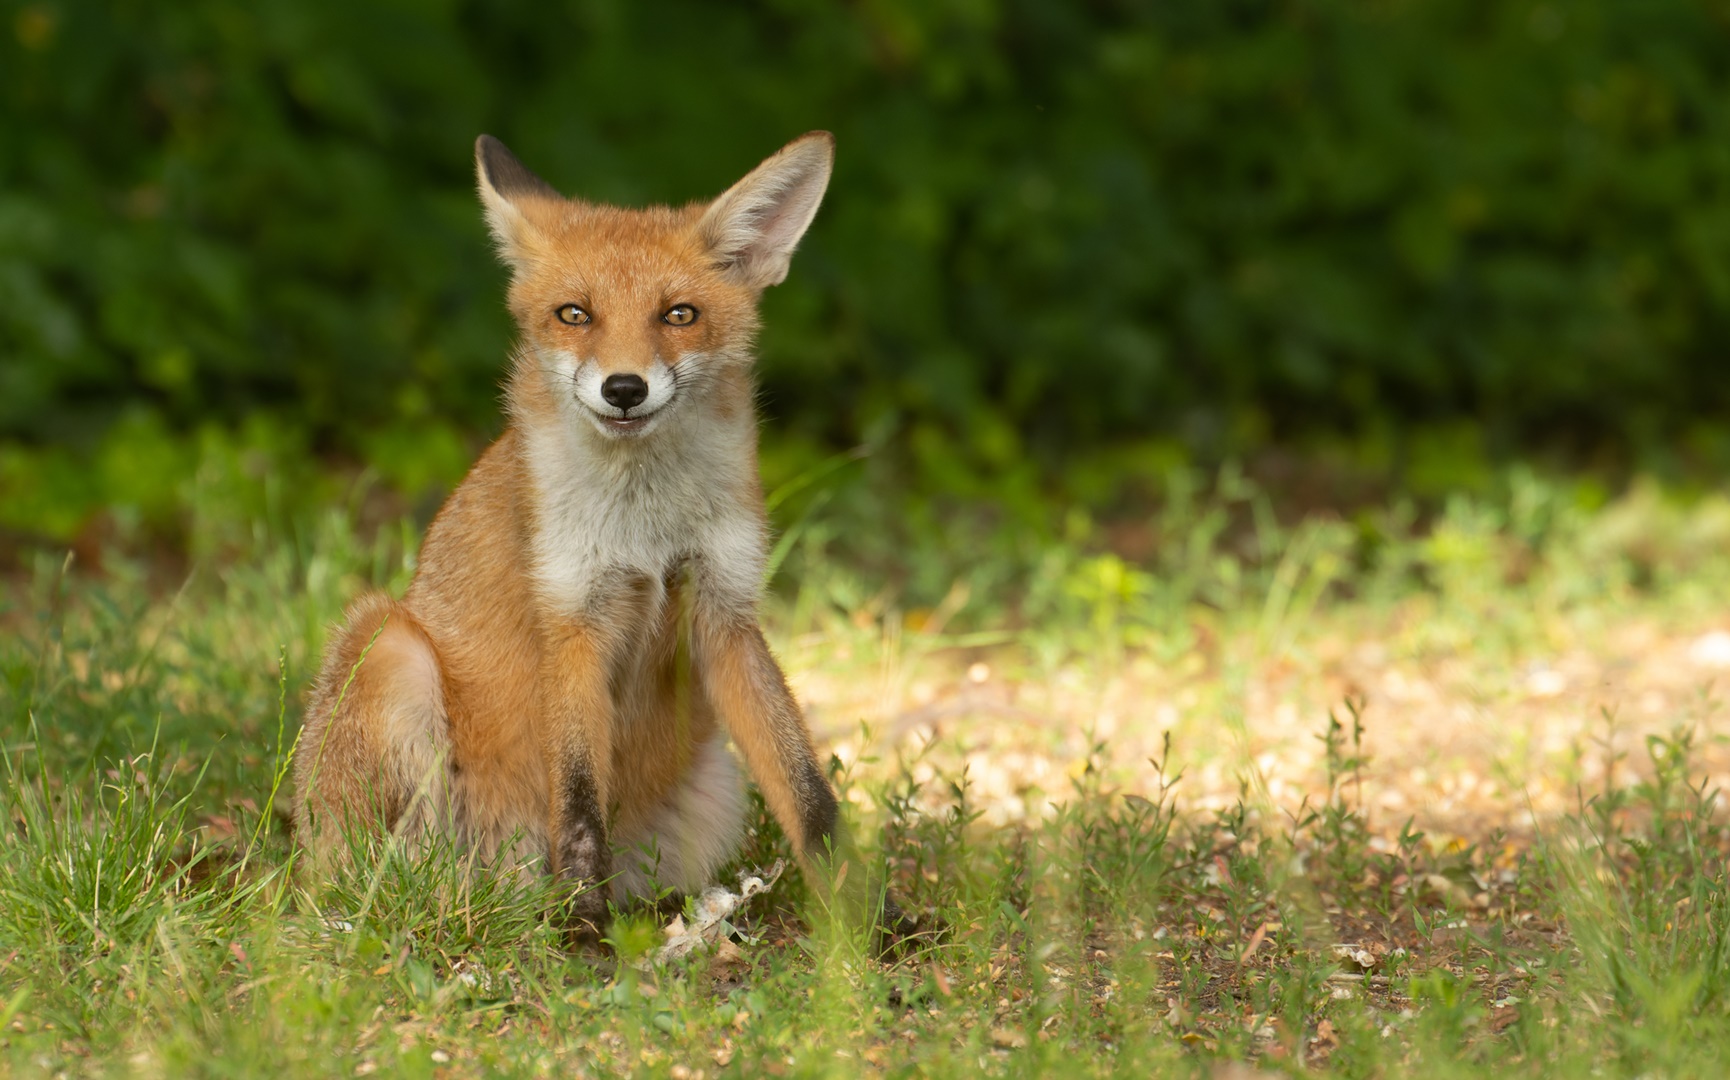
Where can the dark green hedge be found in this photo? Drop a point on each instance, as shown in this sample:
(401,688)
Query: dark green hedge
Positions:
(1054,224)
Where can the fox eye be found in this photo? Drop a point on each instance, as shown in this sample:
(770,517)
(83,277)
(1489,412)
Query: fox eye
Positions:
(680,315)
(573,315)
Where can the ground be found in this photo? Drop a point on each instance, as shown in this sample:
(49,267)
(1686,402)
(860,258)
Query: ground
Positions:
(1400,795)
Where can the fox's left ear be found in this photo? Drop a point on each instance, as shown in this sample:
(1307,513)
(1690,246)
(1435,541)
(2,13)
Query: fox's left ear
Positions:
(755,225)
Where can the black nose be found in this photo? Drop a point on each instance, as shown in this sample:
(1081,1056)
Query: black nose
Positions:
(624,391)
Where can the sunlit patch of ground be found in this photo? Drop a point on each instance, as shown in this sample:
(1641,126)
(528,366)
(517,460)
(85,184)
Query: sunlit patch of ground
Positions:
(1459,738)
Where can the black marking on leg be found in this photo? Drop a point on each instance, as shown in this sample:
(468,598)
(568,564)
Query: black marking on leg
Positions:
(818,810)
(584,857)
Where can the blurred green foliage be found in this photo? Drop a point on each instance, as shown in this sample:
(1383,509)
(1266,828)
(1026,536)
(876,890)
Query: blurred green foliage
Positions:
(1055,227)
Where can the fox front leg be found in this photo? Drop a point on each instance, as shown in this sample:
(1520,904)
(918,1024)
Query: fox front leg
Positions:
(750,695)
(576,741)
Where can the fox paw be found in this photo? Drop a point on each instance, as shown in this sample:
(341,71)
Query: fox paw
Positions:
(898,935)
(584,915)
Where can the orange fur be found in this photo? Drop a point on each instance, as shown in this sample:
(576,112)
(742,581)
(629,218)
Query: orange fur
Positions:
(581,634)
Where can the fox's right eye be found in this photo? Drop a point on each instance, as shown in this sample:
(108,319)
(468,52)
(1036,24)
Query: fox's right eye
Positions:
(573,315)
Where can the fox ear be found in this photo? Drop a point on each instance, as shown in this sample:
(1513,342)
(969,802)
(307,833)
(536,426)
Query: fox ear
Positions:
(507,187)
(755,225)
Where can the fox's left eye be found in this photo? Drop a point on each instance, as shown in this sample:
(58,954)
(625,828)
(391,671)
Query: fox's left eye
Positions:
(680,315)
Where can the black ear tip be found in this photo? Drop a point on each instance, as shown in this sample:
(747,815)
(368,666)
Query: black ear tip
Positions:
(505,173)
(495,158)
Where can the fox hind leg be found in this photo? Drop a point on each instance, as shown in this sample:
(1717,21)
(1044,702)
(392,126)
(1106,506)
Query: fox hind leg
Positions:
(375,743)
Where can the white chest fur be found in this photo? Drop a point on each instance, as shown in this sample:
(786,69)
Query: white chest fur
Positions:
(640,506)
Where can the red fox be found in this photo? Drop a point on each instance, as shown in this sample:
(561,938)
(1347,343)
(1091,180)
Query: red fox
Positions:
(581,636)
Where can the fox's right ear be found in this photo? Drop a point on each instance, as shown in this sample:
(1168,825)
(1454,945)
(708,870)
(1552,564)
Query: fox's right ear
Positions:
(508,189)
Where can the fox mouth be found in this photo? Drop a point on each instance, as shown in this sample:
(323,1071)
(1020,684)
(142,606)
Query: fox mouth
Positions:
(623,423)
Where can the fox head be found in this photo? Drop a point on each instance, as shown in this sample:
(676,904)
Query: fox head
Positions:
(628,317)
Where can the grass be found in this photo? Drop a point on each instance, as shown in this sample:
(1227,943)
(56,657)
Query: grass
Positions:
(1158,828)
